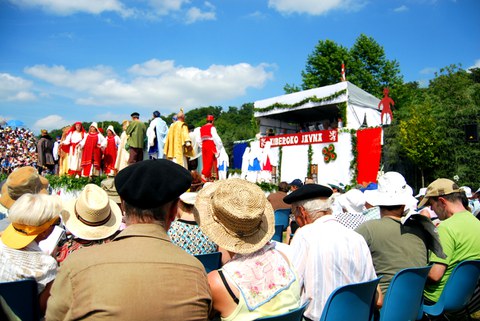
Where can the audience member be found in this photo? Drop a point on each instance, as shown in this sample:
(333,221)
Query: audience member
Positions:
(21,181)
(136,132)
(394,246)
(56,155)
(326,254)
(258,281)
(276,198)
(90,219)
(185,232)
(17,149)
(295,184)
(32,217)
(140,275)
(352,205)
(458,230)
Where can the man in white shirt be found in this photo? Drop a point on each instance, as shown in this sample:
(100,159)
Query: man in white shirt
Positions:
(326,254)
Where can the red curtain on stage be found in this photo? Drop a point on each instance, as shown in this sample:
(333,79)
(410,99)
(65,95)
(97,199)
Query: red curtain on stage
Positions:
(369,150)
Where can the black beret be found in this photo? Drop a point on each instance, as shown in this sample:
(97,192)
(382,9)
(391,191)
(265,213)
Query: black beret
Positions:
(152,183)
(135,114)
(307,192)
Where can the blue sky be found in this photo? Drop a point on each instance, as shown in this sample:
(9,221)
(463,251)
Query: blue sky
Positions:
(63,61)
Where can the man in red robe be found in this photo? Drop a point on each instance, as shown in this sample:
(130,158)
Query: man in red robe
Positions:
(211,145)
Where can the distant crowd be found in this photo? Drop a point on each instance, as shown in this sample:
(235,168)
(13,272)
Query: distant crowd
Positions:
(17,148)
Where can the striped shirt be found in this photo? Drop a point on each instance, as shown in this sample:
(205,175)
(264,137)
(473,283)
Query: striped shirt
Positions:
(327,255)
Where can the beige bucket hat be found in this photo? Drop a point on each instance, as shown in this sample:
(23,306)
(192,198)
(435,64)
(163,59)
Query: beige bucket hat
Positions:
(92,216)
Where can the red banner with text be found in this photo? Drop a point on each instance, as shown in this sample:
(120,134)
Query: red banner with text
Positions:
(316,137)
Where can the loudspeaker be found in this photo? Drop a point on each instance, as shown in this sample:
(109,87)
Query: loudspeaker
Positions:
(471,133)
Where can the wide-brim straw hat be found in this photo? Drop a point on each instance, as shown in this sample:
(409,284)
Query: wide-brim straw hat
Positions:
(93,215)
(22,181)
(236,215)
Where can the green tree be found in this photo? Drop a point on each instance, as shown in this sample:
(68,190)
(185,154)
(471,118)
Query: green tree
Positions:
(366,66)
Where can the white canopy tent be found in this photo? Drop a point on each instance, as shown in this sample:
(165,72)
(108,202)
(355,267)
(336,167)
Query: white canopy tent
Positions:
(286,113)
(317,110)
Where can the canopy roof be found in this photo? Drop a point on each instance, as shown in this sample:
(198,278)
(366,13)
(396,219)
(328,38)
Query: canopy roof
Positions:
(318,104)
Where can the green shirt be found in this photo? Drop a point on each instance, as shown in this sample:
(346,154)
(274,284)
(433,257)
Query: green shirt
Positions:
(460,238)
(136,132)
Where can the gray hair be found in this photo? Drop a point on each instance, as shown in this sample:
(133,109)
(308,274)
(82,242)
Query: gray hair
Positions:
(35,209)
(316,206)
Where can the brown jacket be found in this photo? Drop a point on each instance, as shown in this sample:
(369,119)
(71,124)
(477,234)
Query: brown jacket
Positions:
(140,275)
(276,199)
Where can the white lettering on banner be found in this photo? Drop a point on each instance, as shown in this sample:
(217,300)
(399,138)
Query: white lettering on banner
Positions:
(317,137)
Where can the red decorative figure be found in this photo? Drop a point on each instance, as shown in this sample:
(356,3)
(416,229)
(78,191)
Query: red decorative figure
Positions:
(386,116)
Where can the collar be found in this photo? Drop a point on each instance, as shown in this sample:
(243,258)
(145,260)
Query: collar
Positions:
(144,230)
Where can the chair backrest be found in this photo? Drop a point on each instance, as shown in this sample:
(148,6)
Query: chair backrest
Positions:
(22,298)
(460,286)
(351,302)
(403,299)
(282,217)
(293,315)
(211,261)
(278,236)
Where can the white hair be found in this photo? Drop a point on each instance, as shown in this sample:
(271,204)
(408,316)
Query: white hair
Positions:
(316,206)
(35,209)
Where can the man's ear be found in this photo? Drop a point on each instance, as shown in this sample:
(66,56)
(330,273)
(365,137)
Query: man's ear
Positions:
(171,214)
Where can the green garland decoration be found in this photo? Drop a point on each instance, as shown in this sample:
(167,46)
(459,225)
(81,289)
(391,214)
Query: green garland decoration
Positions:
(354,162)
(72,183)
(313,99)
(329,154)
(309,165)
(343,112)
(279,167)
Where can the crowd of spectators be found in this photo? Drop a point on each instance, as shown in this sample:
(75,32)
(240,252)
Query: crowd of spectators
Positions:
(17,148)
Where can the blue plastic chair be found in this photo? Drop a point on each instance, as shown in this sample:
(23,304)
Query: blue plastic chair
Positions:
(404,297)
(293,315)
(278,236)
(458,290)
(351,302)
(282,217)
(22,298)
(211,261)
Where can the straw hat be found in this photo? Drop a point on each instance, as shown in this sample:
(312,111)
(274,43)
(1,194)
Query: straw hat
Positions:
(108,185)
(21,181)
(92,216)
(236,215)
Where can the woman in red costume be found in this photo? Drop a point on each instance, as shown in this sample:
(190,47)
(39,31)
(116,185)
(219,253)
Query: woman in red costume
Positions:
(110,148)
(74,136)
(91,154)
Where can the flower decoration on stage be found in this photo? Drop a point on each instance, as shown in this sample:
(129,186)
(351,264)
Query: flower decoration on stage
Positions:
(329,154)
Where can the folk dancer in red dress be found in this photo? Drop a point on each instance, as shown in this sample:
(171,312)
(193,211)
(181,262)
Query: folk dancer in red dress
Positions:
(110,149)
(74,137)
(92,154)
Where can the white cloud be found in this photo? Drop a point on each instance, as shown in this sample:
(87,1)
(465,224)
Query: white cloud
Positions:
(67,7)
(15,88)
(428,70)
(194,14)
(315,7)
(402,8)
(155,83)
(476,65)
(51,122)
(163,7)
